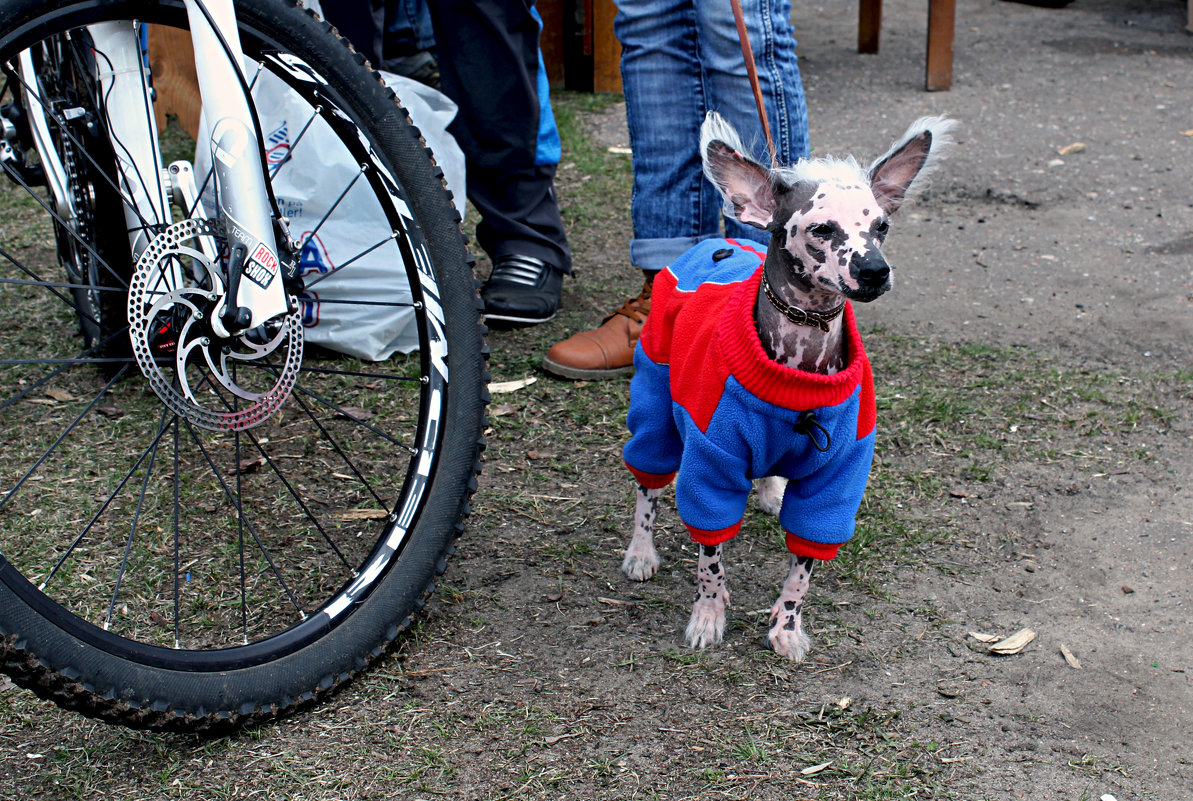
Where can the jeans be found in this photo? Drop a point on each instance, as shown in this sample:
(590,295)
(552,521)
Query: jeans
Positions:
(408,24)
(681,59)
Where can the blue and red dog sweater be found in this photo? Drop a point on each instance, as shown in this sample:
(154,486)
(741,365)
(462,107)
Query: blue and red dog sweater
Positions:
(707,404)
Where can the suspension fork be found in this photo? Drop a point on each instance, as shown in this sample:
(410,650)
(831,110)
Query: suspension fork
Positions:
(256,288)
(254,291)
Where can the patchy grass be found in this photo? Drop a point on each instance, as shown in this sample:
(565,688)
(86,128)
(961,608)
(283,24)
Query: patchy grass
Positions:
(957,421)
(539,672)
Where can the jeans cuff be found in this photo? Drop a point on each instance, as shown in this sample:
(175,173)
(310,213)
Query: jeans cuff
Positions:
(658,254)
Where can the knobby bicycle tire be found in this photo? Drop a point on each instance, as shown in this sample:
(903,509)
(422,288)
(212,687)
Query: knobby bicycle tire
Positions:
(161,575)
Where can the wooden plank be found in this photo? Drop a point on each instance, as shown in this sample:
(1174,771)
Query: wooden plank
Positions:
(942,16)
(172,60)
(606,50)
(551,41)
(869,25)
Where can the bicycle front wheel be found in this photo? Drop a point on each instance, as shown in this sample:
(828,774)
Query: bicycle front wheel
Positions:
(175,570)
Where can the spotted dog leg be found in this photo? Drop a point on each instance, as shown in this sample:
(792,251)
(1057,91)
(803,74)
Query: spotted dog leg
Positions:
(707,624)
(786,635)
(641,559)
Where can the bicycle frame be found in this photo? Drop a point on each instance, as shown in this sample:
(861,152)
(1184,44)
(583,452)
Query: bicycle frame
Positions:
(254,290)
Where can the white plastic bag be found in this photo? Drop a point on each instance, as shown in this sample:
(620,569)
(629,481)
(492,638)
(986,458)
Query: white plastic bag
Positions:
(310,183)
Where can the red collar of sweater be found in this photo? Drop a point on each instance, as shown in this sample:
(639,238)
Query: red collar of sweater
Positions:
(776,383)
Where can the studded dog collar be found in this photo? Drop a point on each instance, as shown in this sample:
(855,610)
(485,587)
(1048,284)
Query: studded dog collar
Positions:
(801,316)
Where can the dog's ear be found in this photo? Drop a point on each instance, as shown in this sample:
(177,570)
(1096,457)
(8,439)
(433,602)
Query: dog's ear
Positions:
(744,183)
(902,171)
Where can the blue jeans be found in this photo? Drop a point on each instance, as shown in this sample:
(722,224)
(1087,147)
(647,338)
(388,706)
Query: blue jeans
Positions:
(681,59)
(409,21)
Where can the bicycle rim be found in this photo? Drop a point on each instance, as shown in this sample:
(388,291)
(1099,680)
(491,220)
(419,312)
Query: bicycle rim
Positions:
(153,539)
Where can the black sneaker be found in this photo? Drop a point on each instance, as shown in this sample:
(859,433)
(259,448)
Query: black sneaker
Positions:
(521,290)
(419,66)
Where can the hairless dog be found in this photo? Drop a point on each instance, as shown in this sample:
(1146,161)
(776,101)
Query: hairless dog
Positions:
(751,368)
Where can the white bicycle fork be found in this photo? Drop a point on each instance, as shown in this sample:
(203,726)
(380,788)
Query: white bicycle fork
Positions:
(255,290)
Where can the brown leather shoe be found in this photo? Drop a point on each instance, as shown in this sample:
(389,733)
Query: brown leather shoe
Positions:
(606,351)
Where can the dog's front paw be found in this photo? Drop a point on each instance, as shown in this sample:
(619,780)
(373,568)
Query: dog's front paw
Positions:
(786,636)
(707,625)
(641,561)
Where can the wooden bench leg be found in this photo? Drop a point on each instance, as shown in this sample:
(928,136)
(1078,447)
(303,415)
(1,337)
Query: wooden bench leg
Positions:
(606,50)
(869,25)
(941,23)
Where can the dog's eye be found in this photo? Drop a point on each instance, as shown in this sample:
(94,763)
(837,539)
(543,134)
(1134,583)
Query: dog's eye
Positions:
(822,230)
(882,228)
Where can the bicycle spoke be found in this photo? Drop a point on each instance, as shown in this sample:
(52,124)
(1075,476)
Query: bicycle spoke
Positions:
(374,303)
(308,370)
(339,451)
(51,285)
(99,513)
(362,374)
(177,536)
(243,519)
(290,153)
(244,609)
(66,364)
(58,218)
(289,489)
(65,131)
(308,284)
(70,362)
(330,211)
(61,437)
(342,412)
(132,533)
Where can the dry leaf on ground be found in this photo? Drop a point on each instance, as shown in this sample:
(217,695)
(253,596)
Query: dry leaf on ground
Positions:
(1068,655)
(247,466)
(981,637)
(362,514)
(500,387)
(1013,644)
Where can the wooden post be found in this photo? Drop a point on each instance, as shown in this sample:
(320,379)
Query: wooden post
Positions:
(606,50)
(172,60)
(869,25)
(551,42)
(941,23)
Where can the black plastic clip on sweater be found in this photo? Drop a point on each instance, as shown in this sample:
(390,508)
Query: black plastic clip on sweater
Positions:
(806,423)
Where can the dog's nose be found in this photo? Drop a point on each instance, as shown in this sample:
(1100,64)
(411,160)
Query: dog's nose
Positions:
(870,271)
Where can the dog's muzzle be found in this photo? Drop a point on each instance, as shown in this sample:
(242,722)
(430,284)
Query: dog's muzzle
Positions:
(873,276)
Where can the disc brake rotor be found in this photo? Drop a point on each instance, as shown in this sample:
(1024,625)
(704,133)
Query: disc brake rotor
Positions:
(205,377)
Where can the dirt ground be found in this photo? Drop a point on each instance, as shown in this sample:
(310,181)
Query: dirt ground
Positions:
(1035,447)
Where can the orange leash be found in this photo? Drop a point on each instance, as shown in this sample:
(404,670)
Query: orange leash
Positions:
(752,71)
